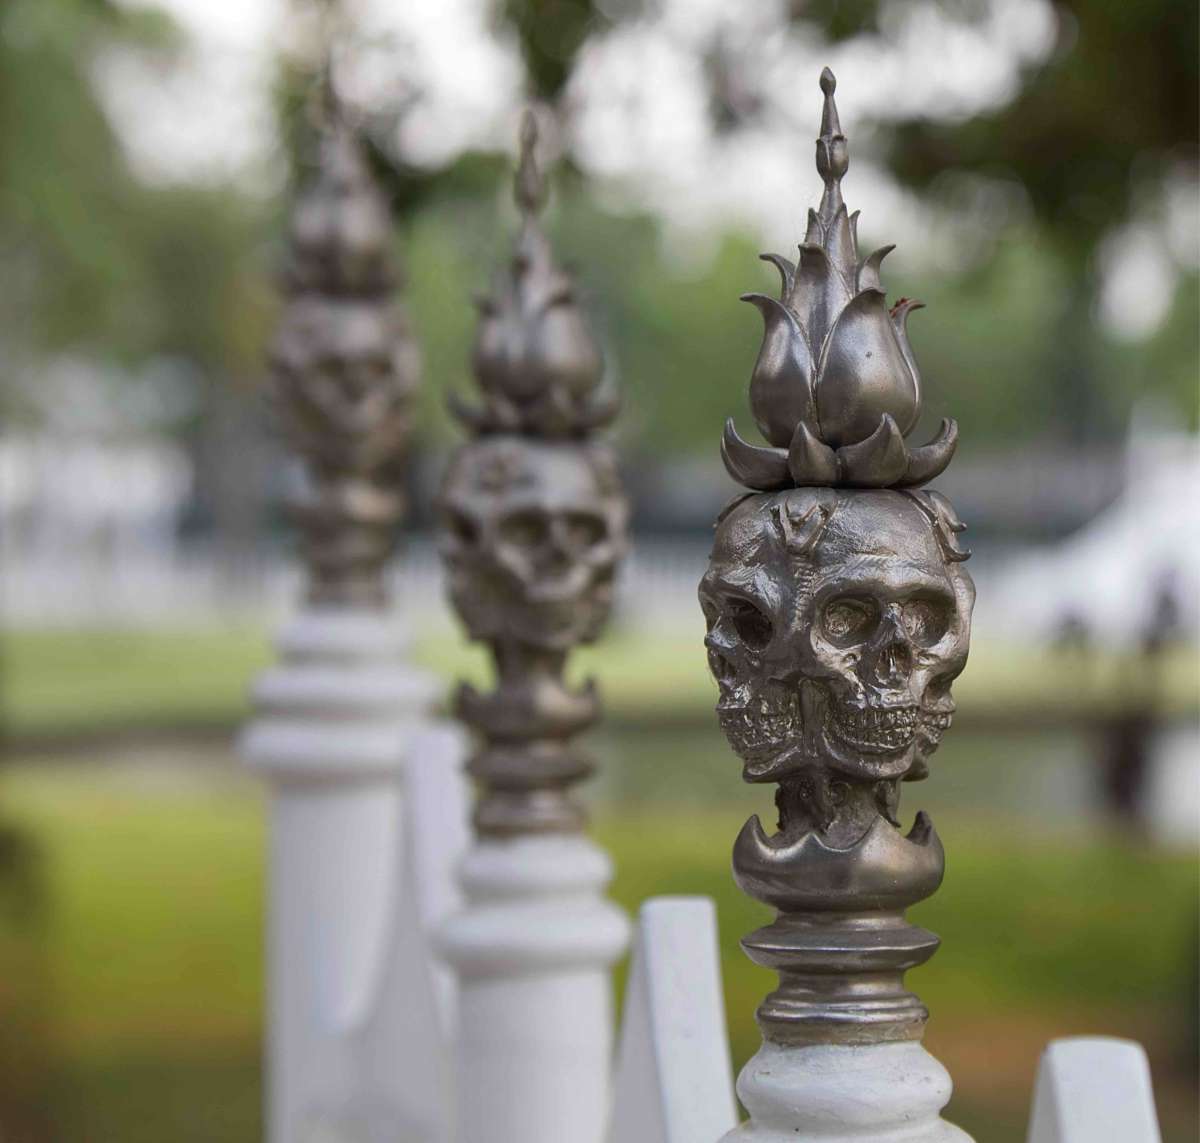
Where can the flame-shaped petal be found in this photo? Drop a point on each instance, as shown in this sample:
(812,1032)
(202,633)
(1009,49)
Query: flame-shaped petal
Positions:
(787,273)
(781,385)
(763,469)
(561,351)
(840,245)
(815,234)
(877,462)
(836,386)
(868,269)
(899,315)
(863,375)
(811,461)
(819,294)
(930,460)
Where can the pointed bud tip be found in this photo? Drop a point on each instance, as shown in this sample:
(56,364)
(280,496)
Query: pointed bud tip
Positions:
(828,82)
(529,187)
(529,129)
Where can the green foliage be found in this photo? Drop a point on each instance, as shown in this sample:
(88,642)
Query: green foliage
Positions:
(550,33)
(1000,346)
(1089,137)
(100,265)
(158,1004)
(62,178)
(84,682)
(96,263)
(1112,111)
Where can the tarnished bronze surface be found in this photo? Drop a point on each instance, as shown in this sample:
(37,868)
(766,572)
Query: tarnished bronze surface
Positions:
(533,524)
(838,612)
(835,389)
(343,368)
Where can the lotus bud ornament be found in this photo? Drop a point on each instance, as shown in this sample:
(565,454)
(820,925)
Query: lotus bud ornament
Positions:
(534,356)
(836,388)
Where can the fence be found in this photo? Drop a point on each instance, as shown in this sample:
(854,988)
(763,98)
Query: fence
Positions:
(430,981)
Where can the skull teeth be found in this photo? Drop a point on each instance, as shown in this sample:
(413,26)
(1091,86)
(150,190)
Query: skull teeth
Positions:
(935,723)
(760,730)
(877,729)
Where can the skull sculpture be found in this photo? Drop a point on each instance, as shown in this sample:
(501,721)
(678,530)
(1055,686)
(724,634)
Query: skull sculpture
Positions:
(837,620)
(343,370)
(533,531)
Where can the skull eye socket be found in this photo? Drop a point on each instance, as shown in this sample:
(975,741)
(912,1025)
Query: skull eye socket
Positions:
(926,620)
(752,626)
(524,529)
(462,527)
(584,531)
(847,621)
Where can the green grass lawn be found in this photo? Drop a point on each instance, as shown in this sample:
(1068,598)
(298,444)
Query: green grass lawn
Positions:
(139,1002)
(67,683)
(153,949)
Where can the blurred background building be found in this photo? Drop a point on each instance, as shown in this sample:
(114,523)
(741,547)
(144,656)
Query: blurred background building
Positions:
(1036,159)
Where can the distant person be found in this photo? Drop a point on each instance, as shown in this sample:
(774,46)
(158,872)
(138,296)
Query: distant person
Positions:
(1129,732)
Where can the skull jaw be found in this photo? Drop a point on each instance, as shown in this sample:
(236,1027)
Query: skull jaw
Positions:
(779,733)
(764,726)
(868,735)
(556,623)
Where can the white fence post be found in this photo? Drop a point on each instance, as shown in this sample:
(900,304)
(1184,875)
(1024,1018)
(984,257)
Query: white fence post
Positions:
(674,1082)
(355,1043)
(838,613)
(356,1036)
(1093,1088)
(533,950)
(438,800)
(534,523)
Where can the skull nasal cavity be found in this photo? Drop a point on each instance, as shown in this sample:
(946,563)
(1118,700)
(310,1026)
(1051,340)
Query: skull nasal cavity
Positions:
(893,657)
(722,669)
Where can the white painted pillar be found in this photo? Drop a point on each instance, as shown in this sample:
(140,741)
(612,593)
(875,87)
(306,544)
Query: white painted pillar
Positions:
(355,1043)
(877,1093)
(533,950)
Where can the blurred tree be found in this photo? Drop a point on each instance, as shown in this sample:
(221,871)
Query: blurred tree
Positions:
(1092,135)
(96,262)
(109,269)
(63,180)
(550,34)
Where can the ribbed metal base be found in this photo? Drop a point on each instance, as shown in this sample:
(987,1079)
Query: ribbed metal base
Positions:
(841,977)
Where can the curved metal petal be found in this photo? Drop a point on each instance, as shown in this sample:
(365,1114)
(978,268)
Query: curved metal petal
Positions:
(868,268)
(863,374)
(818,295)
(840,243)
(763,469)
(781,384)
(877,462)
(787,272)
(560,352)
(930,460)
(811,461)
(899,315)
(815,234)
